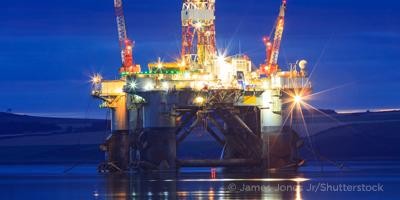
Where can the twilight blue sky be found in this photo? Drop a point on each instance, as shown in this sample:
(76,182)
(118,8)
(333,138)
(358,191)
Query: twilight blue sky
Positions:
(48,49)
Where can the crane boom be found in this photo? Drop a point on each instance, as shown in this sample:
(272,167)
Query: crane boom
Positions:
(273,47)
(126,45)
(280,25)
(119,12)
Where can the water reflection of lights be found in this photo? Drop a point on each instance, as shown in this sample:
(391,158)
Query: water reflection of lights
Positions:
(236,180)
(299,180)
(216,192)
(182,193)
(211,194)
(298,192)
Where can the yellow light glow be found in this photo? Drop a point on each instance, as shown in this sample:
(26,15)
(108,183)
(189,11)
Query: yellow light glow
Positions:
(165,85)
(119,90)
(265,84)
(186,75)
(225,70)
(298,99)
(198,25)
(148,86)
(159,65)
(199,85)
(182,63)
(96,79)
(221,59)
(199,100)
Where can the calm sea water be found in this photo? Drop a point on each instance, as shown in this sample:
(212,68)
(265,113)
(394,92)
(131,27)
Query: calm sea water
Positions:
(357,180)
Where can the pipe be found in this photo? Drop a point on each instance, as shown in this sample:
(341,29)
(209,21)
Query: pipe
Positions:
(216,137)
(185,122)
(187,131)
(216,124)
(244,125)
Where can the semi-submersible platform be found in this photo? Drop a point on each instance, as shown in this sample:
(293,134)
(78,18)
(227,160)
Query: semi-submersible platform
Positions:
(244,108)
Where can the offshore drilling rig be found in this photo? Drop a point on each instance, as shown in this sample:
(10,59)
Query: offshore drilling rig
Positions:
(242,108)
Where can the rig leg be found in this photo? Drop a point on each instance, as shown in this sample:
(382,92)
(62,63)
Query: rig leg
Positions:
(281,149)
(117,148)
(161,148)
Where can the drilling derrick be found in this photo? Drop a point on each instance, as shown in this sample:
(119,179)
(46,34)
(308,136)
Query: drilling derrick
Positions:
(126,45)
(198,33)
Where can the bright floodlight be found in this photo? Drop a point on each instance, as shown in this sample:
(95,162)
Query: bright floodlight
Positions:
(198,25)
(148,86)
(165,85)
(132,85)
(199,100)
(181,63)
(159,65)
(96,79)
(298,99)
(221,59)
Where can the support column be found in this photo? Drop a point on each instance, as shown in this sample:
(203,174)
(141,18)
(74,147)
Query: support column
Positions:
(118,144)
(271,123)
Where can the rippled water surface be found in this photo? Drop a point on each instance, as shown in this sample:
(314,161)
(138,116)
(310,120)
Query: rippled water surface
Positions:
(357,180)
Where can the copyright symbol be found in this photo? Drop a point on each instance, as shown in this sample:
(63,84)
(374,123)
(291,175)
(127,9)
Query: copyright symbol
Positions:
(232,187)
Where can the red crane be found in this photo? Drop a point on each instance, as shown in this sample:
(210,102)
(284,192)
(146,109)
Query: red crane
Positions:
(126,45)
(272,46)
